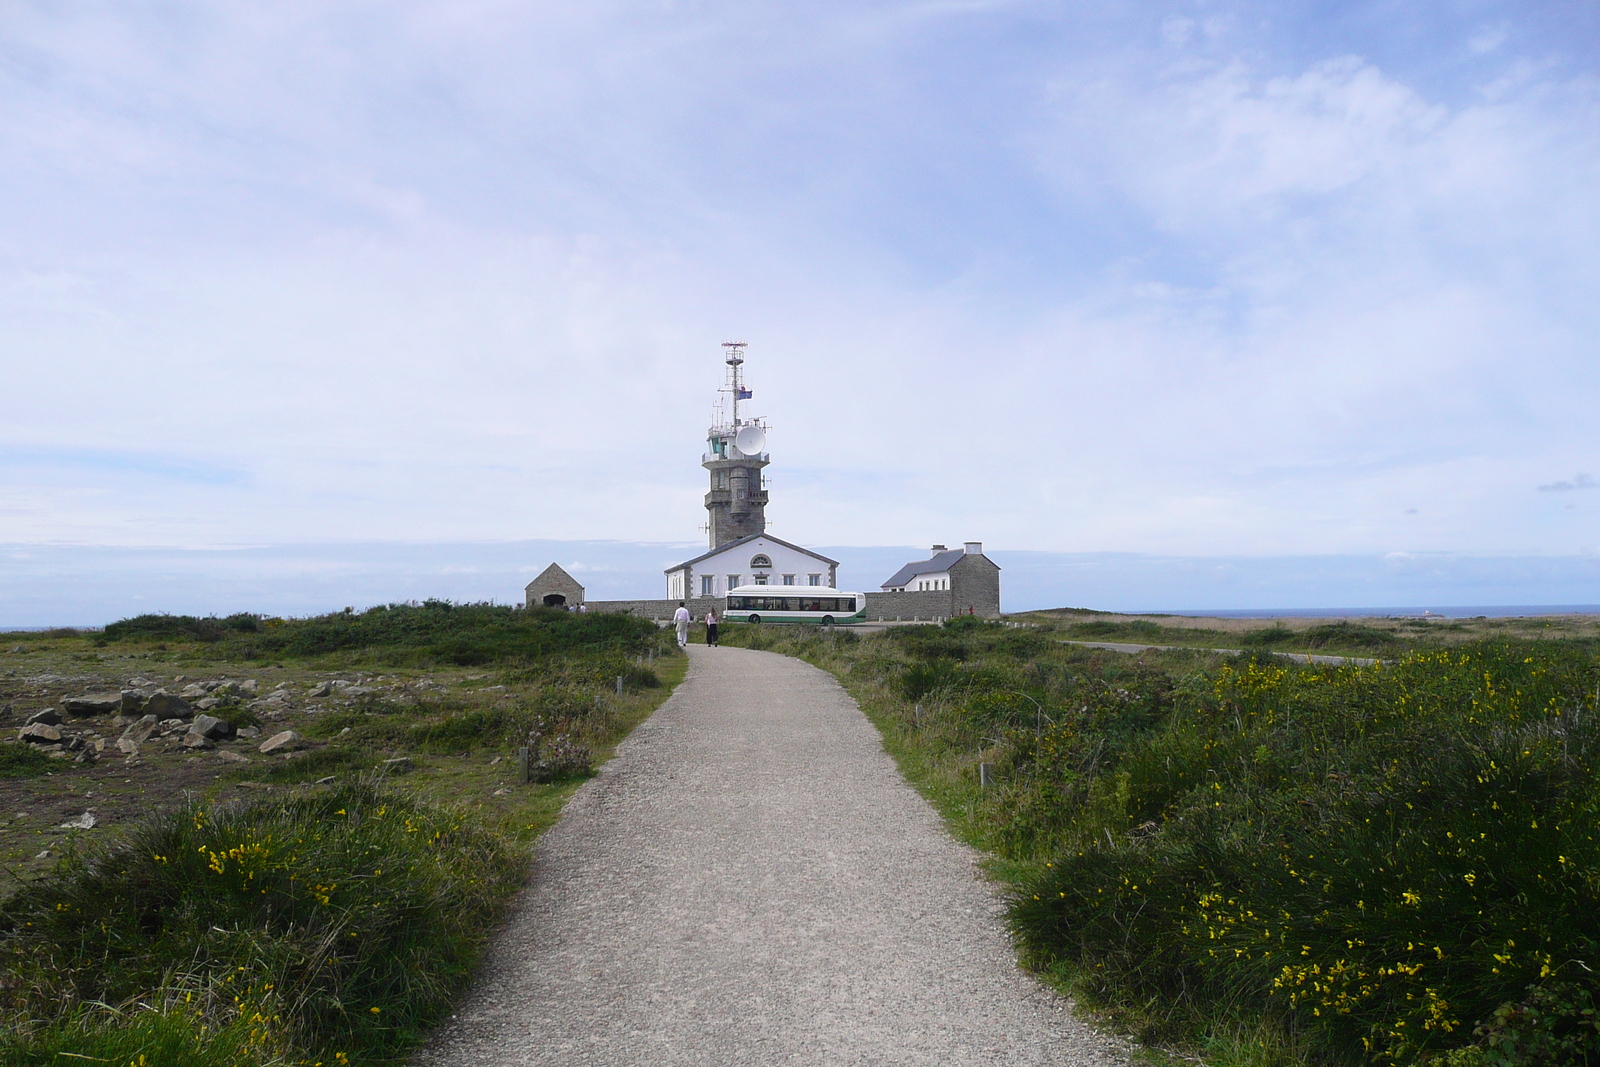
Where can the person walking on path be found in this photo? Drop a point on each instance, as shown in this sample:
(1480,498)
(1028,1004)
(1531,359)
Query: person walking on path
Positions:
(711,629)
(680,619)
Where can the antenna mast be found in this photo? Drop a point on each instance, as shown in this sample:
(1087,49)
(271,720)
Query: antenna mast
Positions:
(735,360)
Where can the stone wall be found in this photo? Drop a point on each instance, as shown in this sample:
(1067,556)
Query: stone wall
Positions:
(660,609)
(975,584)
(909,607)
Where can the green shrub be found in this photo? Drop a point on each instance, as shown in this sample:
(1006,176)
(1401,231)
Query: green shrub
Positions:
(434,632)
(330,925)
(21,760)
(1383,856)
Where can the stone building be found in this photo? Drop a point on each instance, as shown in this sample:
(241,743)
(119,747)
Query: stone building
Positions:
(949,582)
(554,588)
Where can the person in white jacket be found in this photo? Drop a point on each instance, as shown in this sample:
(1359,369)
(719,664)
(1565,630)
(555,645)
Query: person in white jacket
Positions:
(680,619)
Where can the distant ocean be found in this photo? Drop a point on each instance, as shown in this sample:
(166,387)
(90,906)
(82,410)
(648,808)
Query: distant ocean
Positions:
(1502,611)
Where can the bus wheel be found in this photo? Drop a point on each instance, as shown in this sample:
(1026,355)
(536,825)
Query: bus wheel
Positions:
(827,620)
(755,618)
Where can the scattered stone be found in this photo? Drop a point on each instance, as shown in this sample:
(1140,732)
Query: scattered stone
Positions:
(128,746)
(141,730)
(250,732)
(88,755)
(360,691)
(48,716)
(39,733)
(133,701)
(497,759)
(165,705)
(97,704)
(287,741)
(249,686)
(400,765)
(206,703)
(212,727)
(232,757)
(46,853)
(197,741)
(502,792)
(325,781)
(321,690)
(86,821)
(193,692)
(168,726)
(251,785)
(99,744)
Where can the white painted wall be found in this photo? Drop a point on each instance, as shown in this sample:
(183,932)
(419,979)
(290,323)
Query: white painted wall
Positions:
(925,583)
(736,561)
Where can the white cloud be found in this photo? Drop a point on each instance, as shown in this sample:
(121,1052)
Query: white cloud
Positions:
(455,272)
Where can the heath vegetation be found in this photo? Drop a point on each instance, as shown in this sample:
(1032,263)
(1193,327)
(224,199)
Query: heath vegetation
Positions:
(1257,861)
(197,901)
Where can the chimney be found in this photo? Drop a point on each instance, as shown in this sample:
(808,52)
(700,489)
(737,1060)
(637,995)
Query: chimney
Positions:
(936,550)
(973,548)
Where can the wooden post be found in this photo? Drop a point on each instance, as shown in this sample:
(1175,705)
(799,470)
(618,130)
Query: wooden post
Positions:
(522,765)
(985,780)
(619,685)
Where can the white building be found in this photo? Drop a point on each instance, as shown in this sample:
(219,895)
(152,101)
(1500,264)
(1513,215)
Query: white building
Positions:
(929,575)
(759,559)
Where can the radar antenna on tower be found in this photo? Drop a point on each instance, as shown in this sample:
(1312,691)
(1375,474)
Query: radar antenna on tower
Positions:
(735,457)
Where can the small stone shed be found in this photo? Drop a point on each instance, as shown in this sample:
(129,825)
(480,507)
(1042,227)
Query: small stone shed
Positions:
(554,588)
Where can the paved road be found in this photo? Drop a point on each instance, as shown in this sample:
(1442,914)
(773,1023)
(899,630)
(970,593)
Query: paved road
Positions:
(1298,657)
(750,881)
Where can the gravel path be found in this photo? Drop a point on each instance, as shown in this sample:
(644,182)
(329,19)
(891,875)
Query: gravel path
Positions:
(750,881)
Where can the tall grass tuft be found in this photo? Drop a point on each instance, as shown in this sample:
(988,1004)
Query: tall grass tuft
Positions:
(334,925)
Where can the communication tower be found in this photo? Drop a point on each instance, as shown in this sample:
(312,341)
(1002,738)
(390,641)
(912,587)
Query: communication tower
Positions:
(737,502)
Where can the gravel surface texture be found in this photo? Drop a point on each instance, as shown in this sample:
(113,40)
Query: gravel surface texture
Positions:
(750,881)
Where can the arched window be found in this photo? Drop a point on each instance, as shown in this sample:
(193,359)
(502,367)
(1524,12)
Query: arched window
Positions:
(759,561)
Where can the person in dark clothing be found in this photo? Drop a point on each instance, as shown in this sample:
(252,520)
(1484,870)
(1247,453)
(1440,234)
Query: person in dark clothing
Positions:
(711,628)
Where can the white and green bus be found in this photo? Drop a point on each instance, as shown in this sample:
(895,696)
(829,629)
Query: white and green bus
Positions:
(793,603)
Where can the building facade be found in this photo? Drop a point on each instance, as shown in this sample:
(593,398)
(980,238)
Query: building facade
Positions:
(759,559)
(554,588)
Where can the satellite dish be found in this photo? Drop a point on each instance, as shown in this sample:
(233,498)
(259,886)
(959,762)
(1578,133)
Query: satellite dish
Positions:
(750,440)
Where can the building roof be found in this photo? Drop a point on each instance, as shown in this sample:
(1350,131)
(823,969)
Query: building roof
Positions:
(746,540)
(554,573)
(934,565)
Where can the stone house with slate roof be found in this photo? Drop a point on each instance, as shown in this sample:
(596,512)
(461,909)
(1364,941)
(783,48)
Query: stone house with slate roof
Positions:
(949,582)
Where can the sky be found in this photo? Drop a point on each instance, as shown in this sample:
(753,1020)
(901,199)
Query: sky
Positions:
(1194,281)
